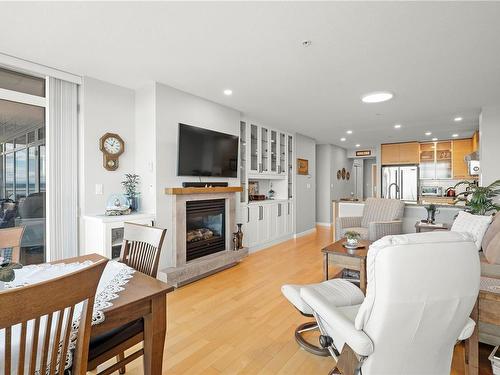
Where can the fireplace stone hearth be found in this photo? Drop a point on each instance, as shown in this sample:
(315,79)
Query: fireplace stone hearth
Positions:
(216,215)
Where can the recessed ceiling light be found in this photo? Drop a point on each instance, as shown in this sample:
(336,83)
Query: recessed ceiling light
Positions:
(228,92)
(454,135)
(349,132)
(434,139)
(357,145)
(377,97)
(458,119)
(428,133)
(342,139)
(397,126)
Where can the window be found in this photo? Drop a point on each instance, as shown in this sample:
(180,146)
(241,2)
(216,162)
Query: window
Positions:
(22,163)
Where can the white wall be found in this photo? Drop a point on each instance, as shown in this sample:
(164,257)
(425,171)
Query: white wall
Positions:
(172,107)
(103,108)
(305,186)
(324,185)
(145,135)
(489,135)
(330,159)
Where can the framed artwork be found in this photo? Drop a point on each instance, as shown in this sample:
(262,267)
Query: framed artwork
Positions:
(302,166)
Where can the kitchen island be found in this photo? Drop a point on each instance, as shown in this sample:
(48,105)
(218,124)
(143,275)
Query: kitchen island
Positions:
(413,212)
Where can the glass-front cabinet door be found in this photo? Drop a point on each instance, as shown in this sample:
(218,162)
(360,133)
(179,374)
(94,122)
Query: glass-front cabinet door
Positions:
(290,166)
(274,153)
(264,150)
(243,161)
(443,160)
(427,158)
(254,148)
(282,154)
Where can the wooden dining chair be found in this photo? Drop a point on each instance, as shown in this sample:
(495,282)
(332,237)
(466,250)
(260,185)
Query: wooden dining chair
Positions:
(141,250)
(10,238)
(48,306)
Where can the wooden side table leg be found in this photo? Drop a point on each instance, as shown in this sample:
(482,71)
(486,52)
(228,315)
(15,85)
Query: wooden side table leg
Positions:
(362,276)
(155,327)
(471,347)
(325,266)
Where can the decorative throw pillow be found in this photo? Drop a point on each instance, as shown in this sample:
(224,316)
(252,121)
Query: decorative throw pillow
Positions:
(473,224)
(491,241)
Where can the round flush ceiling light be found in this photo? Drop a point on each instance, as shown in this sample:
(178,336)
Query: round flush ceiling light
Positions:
(397,126)
(349,132)
(358,145)
(377,97)
(454,135)
(428,133)
(342,139)
(228,92)
(434,139)
(458,119)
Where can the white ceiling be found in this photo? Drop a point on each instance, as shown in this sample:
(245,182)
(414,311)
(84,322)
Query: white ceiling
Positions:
(440,59)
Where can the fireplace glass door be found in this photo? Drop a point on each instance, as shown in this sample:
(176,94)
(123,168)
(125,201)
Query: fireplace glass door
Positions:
(205,227)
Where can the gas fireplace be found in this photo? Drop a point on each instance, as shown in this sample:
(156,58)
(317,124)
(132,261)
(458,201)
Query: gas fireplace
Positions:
(205,227)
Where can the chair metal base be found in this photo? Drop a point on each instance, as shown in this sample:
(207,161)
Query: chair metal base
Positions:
(304,344)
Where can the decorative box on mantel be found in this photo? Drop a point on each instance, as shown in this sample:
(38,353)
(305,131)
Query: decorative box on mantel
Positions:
(104,234)
(203,223)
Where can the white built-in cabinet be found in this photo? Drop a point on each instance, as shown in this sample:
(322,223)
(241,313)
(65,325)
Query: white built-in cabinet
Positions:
(266,155)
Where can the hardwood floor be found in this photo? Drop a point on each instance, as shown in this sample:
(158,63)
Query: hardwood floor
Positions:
(237,321)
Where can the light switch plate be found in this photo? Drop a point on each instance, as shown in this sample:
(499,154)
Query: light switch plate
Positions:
(98,189)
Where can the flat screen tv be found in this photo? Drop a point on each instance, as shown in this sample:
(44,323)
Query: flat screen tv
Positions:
(204,152)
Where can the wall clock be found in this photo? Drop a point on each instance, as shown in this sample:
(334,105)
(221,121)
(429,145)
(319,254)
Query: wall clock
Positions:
(112,146)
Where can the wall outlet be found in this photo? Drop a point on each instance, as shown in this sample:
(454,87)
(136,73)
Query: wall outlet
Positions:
(98,189)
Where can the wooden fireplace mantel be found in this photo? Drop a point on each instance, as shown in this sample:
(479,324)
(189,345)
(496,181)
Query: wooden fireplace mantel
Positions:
(202,190)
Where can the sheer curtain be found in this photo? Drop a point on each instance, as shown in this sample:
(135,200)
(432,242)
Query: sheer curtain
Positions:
(62,169)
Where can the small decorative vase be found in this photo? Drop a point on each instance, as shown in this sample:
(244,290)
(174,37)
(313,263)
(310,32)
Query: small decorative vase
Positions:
(239,235)
(134,204)
(353,242)
(235,241)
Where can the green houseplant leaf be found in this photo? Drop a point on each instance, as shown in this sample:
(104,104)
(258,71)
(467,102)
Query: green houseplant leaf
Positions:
(479,199)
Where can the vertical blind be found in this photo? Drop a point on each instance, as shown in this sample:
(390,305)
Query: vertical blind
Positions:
(62,169)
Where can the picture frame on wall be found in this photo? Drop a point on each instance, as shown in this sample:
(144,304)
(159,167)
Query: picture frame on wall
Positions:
(302,166)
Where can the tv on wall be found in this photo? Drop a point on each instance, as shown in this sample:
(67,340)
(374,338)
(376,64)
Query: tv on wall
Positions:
(204,152)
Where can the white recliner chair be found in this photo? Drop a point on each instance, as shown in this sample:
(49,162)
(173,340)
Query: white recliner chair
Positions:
(421,290)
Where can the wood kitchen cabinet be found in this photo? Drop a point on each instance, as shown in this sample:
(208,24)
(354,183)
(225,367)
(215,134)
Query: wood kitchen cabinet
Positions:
(475,141)
(400,153)
(461,148)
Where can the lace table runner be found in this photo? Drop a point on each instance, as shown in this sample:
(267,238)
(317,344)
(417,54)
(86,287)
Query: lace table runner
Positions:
(114,276)
(489,284)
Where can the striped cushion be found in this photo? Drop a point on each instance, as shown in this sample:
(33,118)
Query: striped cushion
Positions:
(6,254)
(380,209)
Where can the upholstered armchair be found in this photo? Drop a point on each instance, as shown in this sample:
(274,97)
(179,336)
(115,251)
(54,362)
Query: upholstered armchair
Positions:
(381,217)
(421,290)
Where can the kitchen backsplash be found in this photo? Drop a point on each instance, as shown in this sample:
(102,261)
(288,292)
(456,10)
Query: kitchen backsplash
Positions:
(444,184)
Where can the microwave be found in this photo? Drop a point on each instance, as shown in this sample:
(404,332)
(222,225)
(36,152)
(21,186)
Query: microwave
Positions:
(431,191)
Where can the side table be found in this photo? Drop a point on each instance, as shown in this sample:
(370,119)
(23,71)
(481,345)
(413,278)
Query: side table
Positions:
(427,227)
(344,258)
(486,310)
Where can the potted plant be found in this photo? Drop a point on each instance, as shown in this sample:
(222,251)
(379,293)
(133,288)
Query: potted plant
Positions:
(479,199)
(130,186)
(352,238)
(7,273)
(431,213)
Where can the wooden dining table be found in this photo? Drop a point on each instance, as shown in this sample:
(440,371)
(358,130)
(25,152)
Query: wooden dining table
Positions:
(142,297)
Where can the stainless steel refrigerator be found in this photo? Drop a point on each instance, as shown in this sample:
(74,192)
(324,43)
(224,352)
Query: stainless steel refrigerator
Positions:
(400,183)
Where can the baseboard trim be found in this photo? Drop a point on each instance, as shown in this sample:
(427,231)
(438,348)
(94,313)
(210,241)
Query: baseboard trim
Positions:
(304,233)
(263,246)
(323,224)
